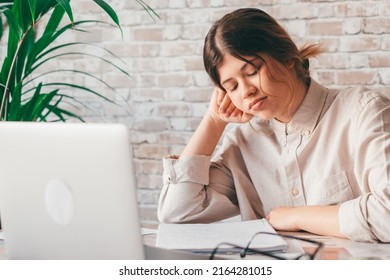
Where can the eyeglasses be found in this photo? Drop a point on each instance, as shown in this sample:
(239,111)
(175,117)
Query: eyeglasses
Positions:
(244,251)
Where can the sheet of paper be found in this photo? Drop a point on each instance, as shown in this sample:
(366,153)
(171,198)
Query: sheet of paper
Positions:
(205,237)
(145,231)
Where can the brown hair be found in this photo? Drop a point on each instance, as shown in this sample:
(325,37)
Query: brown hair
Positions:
(252,32)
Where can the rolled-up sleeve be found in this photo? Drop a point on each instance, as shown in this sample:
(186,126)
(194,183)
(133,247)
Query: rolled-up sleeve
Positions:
(192,191)
(367,218)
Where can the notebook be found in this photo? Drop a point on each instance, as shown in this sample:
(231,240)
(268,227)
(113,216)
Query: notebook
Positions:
(67,192)
(205,237)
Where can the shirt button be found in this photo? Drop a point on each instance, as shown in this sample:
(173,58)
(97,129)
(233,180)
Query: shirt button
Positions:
(306,132)
(295,191)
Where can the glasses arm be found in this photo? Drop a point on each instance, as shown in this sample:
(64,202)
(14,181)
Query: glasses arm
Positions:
(215,250)
(312,256)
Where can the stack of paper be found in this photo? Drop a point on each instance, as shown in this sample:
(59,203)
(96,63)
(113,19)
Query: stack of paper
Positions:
(205,237)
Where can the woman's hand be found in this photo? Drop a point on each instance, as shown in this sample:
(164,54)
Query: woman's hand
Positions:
(222,109)
(284,218)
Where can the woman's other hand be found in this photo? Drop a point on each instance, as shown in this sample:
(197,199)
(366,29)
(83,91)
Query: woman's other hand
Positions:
(284,218)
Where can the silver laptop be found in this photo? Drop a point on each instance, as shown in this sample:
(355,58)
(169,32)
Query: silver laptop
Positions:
(67,192)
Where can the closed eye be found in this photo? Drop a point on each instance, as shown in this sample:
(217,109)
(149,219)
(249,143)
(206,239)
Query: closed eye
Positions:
(253,73)
(233,88)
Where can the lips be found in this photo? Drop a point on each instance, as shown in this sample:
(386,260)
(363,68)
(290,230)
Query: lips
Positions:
(254,102)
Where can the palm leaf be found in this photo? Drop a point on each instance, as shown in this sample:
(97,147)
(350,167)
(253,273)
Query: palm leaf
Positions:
(7,75)
(1,25)
(24,50)
(5,4)
(43,117)
(148,9)
(30,105)
(42,104)
(18,99)
(80,53)
(43,6)
(79,87)
(55,20)
(70,71)
(48,38)
(15,106)
(22,14)
(65,4)
(32,4)
(4,73)
(107,8)
(13,23)
(61,112)
(80,43)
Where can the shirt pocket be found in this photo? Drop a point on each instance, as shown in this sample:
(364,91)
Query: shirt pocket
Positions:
(331,190)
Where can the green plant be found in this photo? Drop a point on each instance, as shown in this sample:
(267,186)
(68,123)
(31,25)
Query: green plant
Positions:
(24,94)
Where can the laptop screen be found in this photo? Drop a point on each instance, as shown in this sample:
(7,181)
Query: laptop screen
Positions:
(67,191)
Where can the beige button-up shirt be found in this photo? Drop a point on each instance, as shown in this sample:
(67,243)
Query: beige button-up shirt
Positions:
(335,150)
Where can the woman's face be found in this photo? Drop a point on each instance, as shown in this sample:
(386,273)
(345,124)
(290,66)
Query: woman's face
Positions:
(242,82)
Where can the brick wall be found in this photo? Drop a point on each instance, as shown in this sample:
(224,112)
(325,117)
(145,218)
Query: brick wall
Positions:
(168,93)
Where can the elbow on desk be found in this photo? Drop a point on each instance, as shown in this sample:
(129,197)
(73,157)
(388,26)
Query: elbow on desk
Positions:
(163,218)
(168,215)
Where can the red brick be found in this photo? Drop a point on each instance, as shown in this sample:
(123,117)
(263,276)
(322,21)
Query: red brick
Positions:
(379,60)
(377,25)
(148,34)
(174,80)
(357,77)
(325,77)
(174,138)
(176,110)
(151,151)
(325,28)
(359,43)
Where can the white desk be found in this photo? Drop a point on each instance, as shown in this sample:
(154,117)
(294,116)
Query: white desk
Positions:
(338,248)
(335,248)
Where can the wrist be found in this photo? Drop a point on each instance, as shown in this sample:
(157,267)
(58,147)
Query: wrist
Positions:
(298,217)
(215,121)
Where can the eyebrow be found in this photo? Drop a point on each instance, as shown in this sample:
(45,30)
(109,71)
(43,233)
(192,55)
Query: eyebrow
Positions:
(242,68)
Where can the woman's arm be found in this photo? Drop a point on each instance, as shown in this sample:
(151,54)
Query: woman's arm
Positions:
(221,111)
(323,220)
(367,217)
(194,190)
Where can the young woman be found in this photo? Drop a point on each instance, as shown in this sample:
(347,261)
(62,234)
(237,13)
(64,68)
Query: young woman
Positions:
(303,156)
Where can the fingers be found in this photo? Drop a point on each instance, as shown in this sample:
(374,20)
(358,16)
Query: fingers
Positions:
(224,108)
(220,95)
(227,107)
(236,113)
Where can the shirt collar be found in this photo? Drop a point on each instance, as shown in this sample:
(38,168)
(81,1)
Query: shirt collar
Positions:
(308,114)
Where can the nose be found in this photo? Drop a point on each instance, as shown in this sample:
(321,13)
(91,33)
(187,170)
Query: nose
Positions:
(248,89)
